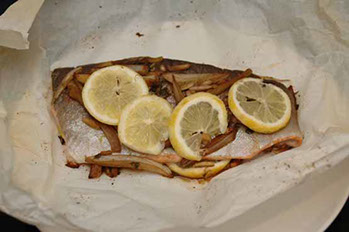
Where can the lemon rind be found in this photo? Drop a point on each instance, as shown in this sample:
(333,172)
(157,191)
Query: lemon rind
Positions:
(197,173)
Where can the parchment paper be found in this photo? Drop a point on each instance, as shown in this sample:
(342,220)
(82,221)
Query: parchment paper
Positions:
(305,41)
(16,22)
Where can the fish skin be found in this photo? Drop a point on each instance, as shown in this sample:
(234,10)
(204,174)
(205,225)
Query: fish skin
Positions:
(81,140)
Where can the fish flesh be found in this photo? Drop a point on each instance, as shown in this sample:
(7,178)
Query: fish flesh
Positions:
(83,141)
(248,144)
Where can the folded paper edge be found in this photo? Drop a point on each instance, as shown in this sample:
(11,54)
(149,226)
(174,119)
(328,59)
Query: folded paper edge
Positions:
(14,39)
(14,26)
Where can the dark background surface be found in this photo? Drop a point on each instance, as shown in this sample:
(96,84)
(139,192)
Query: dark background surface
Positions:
(340,224)
(4,4)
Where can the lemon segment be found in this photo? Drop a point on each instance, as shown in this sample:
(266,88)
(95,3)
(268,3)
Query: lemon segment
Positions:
(143,124)
(262,107)
(108,90)
(196,114)
(196,173)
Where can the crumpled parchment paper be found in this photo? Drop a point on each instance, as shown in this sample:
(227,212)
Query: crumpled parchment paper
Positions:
(16,22)
(304,41)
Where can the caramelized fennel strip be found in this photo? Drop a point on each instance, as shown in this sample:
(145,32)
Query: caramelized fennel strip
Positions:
(112,137)
(64,83)
(91,122)
(176,90)
(111,172)
(74,92)
(130,162)
(95,171)
(225,85)
(178,67)
(220,141)
(188,80)
(82,78)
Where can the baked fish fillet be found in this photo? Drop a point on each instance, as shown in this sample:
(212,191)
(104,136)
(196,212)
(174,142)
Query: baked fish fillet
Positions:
(82,140)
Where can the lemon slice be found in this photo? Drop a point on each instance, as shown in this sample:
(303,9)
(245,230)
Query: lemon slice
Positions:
(196,114)
(262,107)
(143,124)
(195,173)
(108,90)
